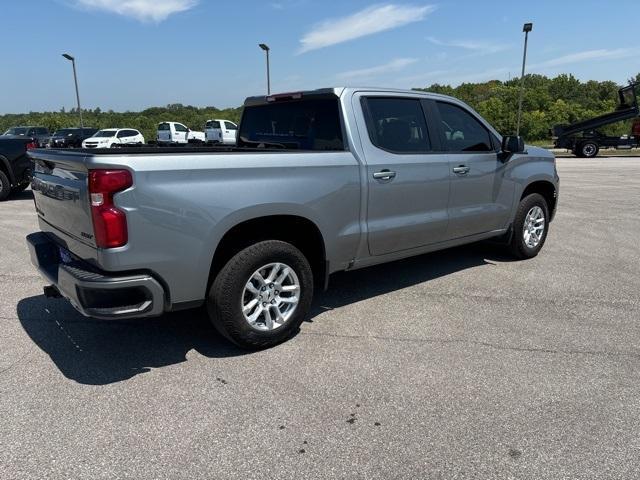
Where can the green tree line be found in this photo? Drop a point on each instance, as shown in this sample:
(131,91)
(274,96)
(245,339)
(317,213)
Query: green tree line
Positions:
(547,102)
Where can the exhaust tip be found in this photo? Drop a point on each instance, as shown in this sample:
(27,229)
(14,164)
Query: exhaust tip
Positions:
(51,291)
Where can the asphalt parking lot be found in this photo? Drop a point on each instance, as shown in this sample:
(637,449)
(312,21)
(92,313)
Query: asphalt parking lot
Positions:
(459,364)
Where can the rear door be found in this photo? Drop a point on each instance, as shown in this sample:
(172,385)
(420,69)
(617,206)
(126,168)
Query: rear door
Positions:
(481,193)
(122,136)
(407,175)
(132,136)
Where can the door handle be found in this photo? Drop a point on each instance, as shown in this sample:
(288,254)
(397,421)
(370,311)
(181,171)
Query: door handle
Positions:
(384,175)
(461,170)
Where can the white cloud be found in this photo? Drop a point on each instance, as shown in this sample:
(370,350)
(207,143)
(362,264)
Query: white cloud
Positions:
(143,10)
(475,46)
(374,19)
(601,54)
(392,66)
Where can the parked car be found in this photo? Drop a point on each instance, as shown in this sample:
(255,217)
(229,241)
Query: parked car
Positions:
(114,137)
(221,131)
(174,133)
(322,181)
(40,134)
(15,165)
(70,137)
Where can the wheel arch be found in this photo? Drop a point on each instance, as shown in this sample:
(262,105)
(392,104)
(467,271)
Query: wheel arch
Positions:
(5,166)
(545,188)
(298,230)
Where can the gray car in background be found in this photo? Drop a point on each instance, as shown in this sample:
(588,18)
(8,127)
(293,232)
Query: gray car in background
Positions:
(320,181)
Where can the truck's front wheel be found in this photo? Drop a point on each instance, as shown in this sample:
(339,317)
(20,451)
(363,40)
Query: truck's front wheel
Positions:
(262,295)
(530,226)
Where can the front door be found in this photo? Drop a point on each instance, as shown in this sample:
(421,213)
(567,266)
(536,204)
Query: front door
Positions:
(481,194)
(230,130)
(408,180)
(181,133)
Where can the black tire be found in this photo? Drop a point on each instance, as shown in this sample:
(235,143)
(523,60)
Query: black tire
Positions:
(5,186)
(518,246)
(225,298)
(588,149)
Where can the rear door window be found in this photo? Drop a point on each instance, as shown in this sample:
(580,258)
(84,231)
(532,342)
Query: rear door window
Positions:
(397,125)
(213,124)
(180,128)
(230,126)
(163,127)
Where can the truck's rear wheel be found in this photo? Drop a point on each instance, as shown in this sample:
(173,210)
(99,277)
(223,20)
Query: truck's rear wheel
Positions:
(588,149)
(262,295)
(530,226)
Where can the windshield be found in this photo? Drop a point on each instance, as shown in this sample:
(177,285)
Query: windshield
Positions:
(64,132)
(299,125)
(105,133)
(17,131)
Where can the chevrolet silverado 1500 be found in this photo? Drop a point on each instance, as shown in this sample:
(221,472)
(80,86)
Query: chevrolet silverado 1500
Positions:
(320,181)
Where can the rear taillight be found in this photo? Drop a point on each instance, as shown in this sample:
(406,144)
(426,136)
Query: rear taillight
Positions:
(32,145)
(109,222)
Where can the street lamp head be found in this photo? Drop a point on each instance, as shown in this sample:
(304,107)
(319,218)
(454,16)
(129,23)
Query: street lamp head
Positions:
(264,47)
(527,27)
(68,57)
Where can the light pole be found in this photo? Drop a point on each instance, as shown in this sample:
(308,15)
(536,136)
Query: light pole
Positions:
(526,29)
(75,79)
(266,49)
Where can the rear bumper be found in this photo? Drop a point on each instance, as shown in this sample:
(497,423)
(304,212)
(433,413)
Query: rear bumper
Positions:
(92,292)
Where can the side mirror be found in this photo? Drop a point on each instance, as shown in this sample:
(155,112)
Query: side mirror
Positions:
(511,145)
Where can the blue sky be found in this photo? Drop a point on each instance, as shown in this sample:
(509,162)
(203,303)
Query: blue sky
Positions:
(134,54)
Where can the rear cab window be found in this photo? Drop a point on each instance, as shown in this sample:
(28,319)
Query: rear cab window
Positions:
(163,127)
(296,124)
(213,124)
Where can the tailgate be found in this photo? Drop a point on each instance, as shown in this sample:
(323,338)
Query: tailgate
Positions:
(60,191)
(214,134)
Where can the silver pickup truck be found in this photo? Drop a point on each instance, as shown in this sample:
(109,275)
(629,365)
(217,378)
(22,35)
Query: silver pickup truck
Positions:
(320,181)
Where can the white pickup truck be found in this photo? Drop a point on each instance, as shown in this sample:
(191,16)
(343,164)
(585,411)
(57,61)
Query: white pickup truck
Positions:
(174,133)
(221,131)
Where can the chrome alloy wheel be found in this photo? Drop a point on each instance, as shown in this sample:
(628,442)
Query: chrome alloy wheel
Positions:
(533,229)
(270,296)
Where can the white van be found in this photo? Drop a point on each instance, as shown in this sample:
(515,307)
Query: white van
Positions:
(221,131)
(172,133)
